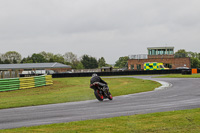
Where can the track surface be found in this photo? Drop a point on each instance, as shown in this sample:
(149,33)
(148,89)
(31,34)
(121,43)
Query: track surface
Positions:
(184,94)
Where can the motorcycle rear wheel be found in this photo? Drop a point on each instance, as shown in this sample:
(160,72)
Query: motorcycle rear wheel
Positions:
(98,95)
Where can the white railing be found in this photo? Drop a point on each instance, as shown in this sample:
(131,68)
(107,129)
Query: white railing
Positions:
(139,56)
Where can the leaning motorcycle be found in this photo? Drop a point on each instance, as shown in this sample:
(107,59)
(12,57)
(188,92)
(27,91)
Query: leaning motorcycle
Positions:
(99,92)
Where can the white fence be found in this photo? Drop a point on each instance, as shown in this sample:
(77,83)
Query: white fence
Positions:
(139,56)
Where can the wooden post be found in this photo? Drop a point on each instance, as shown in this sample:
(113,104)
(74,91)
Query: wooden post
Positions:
(10,71)
(16,73)
(3,74)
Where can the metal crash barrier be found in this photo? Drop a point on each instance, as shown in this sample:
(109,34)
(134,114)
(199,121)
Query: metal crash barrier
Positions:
(25,83)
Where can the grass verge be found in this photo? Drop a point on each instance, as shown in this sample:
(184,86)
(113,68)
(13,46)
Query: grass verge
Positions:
(183,121)
(179,76)
(71,89)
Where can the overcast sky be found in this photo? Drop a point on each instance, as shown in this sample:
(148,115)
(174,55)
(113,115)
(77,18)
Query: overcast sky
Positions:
(100,28)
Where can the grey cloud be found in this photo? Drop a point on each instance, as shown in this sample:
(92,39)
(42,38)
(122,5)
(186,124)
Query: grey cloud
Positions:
(124,27)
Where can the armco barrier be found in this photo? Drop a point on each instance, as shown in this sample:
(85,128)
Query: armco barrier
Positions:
(171,71)
(25,82)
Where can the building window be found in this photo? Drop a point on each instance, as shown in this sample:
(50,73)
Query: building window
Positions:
(168,51)
(158,52)
(168,65)
(161,51)
(138,66)
(150,52)
(164,51)
(171,51)
(132,67)
(153,52)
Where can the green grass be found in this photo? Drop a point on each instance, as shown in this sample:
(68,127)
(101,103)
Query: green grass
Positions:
(183,121)
(179,76)
(71,89)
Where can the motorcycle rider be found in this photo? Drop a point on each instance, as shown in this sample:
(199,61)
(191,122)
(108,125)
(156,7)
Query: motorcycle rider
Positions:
(96,78)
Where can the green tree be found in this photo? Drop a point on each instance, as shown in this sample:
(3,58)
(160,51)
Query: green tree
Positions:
(79,66)
(1,62)
(89,62)
(58,58)
(194,57)
(121,62)
(102,62)
(191,54)
(14,61)
(38,58)
(51,60)
(198,56)
(27,60)
(70,57)
(94,63)
(6,61)
(86,61)
(12,57)
(47,55)
(181,53)
(195,63)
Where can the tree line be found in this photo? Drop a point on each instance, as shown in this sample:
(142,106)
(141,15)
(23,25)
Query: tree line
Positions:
(194,57)
(83,62)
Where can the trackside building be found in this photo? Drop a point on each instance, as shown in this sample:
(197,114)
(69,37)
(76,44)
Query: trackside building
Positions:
(163,55)
(13,70)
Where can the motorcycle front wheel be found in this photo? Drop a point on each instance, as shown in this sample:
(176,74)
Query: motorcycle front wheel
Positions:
(98,95)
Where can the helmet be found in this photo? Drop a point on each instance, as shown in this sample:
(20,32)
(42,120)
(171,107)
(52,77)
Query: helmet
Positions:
(93,75)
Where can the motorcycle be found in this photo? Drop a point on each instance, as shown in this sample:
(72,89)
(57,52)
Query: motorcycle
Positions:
(99,92)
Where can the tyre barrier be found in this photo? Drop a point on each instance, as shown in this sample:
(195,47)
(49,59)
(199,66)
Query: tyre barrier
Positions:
(186,72)
(25,83)
(116,73)
(119,73)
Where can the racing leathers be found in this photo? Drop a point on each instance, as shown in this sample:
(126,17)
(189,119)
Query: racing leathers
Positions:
(101,82)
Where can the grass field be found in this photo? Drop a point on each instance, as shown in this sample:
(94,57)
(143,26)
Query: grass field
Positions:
(179,76)
(71,89)
(184,121)
(77,89)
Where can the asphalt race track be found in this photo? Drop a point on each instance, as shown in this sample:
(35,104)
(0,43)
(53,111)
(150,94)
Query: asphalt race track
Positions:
(183,94)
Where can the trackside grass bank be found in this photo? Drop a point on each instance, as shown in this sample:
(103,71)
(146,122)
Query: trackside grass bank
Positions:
(184,121)
(71,89)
